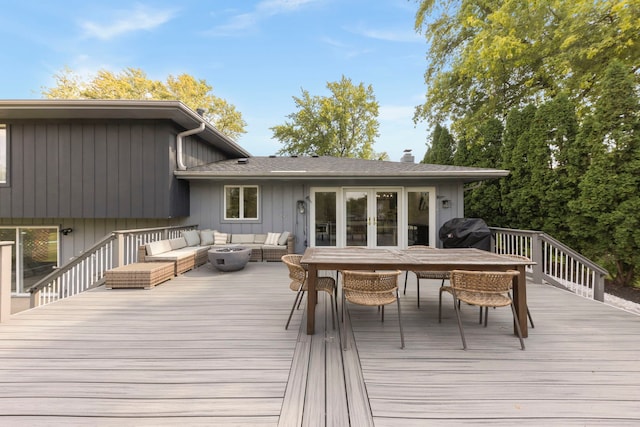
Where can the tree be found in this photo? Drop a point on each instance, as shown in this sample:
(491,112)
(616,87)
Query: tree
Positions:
(606,211)
(488,57)
(341,125)
(133,83)
(441,150)
(482,200)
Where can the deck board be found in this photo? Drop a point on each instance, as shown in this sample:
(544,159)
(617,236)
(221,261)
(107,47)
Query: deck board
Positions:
(210,348)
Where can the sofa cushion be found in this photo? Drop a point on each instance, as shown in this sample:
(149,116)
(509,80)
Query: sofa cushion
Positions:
(177,243)
(283,238)
(259,238)
(206,237)
(272,239)
(219,238)
(158,247)
(192,237)
(242,238)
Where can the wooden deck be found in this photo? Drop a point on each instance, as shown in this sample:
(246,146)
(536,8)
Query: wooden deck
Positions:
(210,348)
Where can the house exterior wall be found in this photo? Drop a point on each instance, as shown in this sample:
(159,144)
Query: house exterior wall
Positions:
(278,206)
(277,209)
(97,169)
(86,232)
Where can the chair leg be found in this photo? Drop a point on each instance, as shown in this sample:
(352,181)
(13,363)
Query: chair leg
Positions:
(400,321)
(418,288)
(382,314)
(299,294)
(440,305)
(515,319)
(300,302)
(345,312)
(455,306)
(406,276)
(529,316)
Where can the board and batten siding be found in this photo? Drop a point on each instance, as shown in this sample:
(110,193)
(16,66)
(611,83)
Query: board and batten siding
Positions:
(97,169)
(277,209)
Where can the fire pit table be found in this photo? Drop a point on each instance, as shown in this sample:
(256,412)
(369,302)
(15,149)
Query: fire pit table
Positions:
(230,258)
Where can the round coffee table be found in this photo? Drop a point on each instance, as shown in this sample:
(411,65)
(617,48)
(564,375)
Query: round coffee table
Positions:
(231,258)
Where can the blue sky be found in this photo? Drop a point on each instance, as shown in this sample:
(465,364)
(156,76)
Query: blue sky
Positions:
(256,54)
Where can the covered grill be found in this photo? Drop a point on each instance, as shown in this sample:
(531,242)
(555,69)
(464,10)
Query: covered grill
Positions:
(466,233)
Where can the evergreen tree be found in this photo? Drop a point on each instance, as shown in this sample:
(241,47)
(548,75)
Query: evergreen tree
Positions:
(515,188)
(441,150)
(483,200)
(555,127)
(606,212)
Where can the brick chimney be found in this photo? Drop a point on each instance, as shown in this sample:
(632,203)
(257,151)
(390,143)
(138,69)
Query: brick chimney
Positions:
(407,157)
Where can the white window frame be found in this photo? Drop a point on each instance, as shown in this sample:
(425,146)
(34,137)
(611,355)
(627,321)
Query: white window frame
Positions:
(241,213)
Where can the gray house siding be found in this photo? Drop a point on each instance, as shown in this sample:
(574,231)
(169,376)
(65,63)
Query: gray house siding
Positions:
(277,209)
(85,231)
(278,205)
(97,169)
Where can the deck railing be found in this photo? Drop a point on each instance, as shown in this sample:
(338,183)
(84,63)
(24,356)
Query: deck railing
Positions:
(556,263)
(87,270)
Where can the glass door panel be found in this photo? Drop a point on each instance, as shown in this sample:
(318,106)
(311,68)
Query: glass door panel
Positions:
(386,229)
(325,218)
(33,255)
(418,212)
(357,218)
(39,254)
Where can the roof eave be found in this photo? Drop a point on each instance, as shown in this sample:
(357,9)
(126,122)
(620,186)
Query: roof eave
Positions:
(176,111)
(466,176)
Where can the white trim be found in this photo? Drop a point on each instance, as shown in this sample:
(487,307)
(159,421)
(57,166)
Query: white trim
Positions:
(241,203)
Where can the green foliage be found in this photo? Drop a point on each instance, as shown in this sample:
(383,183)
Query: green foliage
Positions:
(441,150)
(343,124)
(488,57)
(606,211)
(483,201)
(133,83)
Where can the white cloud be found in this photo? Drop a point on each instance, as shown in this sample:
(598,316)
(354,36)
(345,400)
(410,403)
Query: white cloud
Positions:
(391,35)
(127,21)
(242,22)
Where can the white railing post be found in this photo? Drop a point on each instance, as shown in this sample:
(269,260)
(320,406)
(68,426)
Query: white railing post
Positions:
(118,249)
(5,281)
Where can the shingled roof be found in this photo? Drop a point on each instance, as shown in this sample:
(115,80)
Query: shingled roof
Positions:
(331,168)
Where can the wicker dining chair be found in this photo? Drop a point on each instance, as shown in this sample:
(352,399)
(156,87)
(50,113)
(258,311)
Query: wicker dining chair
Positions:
(483,289)
(486,309)
(433,275)
(371,288)
(298,276)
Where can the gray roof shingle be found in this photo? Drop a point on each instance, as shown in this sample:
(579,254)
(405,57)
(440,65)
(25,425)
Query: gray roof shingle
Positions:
(326,167)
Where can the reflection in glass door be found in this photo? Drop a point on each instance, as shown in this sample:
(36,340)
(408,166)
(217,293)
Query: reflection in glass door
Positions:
(357,218)
(371,217)
(386,218)
(33,256)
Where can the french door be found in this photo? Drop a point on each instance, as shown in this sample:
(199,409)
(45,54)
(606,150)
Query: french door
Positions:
(371,217)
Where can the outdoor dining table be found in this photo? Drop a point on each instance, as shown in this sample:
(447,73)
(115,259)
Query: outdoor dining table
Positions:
(428,259)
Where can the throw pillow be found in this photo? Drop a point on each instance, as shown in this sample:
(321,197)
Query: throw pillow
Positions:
(219,238)
(272,239)
(282,241)
(206,237)
(192,237)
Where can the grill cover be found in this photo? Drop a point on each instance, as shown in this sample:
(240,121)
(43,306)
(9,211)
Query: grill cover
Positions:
(466,233)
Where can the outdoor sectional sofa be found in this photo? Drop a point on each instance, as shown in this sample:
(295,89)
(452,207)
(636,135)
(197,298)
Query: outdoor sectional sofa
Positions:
(191,249)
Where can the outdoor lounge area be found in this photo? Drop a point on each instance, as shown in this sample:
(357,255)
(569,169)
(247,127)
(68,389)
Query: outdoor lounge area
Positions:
(208,348)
